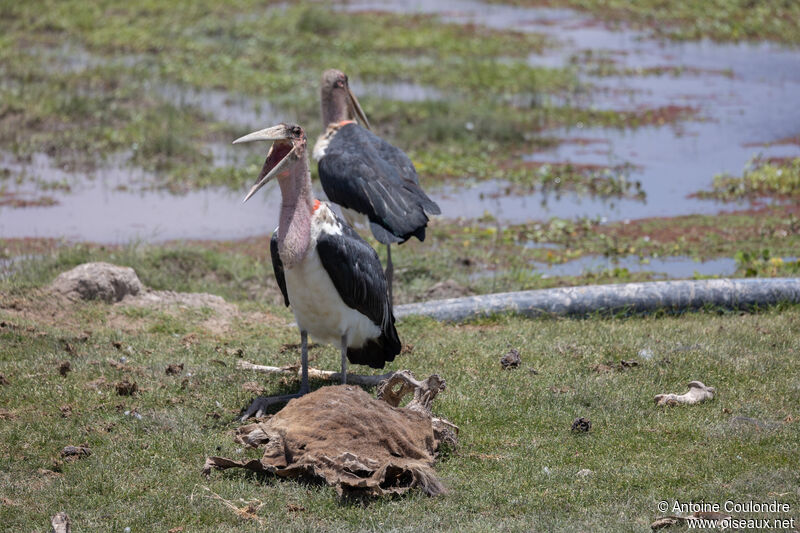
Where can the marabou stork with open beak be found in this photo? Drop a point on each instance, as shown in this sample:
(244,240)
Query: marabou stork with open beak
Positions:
(374,182)
(330,276)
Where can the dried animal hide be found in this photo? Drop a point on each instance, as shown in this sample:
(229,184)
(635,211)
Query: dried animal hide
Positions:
(354,442)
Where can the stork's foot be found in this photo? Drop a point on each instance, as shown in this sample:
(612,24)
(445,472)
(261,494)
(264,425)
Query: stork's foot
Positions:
(260,405)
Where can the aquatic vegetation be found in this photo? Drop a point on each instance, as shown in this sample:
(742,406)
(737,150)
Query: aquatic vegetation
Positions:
(763,264)
(762,178)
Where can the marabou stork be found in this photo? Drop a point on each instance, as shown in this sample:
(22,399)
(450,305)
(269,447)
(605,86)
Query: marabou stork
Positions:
(374,182)
(330,276)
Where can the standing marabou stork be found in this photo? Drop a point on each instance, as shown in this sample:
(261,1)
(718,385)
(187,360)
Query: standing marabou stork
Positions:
(329,275)
(374,182)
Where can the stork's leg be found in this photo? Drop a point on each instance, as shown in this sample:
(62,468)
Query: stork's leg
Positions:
(259,406)
(389,272)
(344,359)
(304,362)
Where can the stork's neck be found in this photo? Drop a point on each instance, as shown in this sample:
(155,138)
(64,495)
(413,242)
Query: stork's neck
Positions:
(297,206)
(335,107)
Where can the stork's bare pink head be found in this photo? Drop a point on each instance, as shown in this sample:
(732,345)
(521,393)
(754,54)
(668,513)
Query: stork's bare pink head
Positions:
(338,101)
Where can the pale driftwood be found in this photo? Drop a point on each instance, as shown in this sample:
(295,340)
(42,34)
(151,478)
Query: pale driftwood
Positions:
(625,297)
(315,373)
(60,523)
(698,392)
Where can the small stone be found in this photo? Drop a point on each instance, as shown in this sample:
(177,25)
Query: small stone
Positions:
(581,425)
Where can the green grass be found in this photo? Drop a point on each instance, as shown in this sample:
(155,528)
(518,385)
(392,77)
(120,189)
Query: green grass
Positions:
(516,464)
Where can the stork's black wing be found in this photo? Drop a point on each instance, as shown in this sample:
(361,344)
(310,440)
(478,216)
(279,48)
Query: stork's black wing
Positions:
(356,272)
(364,173)
(277,266)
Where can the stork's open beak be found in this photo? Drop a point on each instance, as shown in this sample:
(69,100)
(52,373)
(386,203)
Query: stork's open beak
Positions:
(280,154)
(362,117)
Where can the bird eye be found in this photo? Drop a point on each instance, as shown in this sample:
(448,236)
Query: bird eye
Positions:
(296,130)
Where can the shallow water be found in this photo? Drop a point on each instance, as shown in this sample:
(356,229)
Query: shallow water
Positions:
(744,94)
(670,267)
(748,93)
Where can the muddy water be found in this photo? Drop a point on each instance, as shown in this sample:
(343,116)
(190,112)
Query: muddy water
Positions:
(744,94)
(99,209)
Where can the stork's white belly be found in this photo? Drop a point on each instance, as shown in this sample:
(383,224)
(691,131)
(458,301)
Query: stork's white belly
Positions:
(318,308)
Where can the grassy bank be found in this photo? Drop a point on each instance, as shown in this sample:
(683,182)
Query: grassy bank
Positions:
(517,464)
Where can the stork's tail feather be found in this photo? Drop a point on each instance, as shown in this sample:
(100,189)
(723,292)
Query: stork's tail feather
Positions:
(430,207)
(377,352)
(383,235)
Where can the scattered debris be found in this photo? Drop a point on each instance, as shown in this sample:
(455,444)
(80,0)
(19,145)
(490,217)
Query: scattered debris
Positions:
(698,392)
(64,367)
(247,512)
(126,388)
(72,453)
(359,444)
(120,365)
(583,473)
(560,390)
(295,508)
(235,352)
(97,281)
(623,364)
(511,359)
(66,410)
(315,373)
(4,380)
(176,529)
(60,523)
(174,369)
(581,424)
(5,414)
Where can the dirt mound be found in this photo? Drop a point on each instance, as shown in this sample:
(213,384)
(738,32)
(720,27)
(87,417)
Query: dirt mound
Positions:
(354,442)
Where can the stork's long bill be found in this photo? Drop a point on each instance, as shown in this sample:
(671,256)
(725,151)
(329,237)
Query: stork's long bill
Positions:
(362,117)
(283,152)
